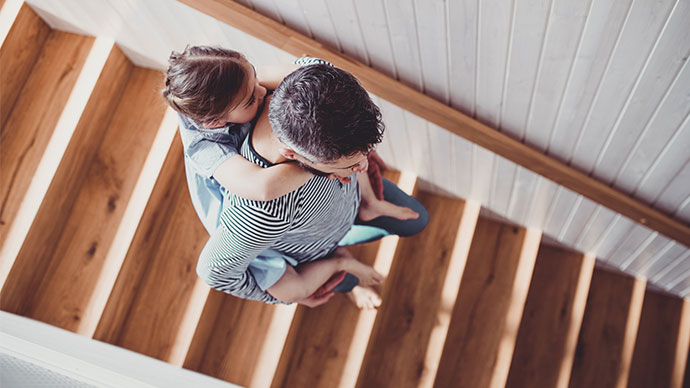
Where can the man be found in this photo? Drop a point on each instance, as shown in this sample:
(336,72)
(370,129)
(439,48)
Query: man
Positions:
(324,120)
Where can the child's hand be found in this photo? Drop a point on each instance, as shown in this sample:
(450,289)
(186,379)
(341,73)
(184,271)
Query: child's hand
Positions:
(370,210)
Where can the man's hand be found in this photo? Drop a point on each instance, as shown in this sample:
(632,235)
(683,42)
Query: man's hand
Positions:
(325,292)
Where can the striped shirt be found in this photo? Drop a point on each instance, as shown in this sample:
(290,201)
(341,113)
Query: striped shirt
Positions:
(305,225)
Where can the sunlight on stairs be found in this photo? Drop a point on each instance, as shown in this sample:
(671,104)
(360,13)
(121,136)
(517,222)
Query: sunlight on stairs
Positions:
(98,236)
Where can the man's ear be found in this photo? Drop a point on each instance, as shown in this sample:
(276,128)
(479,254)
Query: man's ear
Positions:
(288,153)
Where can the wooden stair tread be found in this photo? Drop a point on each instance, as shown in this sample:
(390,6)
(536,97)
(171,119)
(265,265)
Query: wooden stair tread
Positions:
(411,299)
(73,262)
(148,303)
(486,315)
(661,345)
(31,122)
(551,319)
(607,335)
(231,338)
(320,338)
(318,354)
(18,54)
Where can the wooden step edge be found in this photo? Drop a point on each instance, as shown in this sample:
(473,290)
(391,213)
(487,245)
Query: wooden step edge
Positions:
(23,35)
(407,182)
(578,314)
(523,277)
(451,287)
(358,324)
(682,347)
(275,343)
(190,321)
(631,327)
(54,151)
(8,14)
(128,225)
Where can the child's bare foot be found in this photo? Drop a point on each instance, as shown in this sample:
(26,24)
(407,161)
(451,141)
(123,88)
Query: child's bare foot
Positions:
(364,298)
(369,211)
(366,274)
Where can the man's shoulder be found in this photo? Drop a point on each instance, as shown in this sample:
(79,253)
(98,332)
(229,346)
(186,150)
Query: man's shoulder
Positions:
(239,212)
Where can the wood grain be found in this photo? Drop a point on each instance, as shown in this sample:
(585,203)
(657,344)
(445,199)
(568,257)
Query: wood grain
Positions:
(319,341)
(230,337)
(491,297)
(317,353)
(148,302)
(34,117)
(411,299)
(604,348)
(282,37)
(18,55)
(72,253)
(551,317)
(654,359)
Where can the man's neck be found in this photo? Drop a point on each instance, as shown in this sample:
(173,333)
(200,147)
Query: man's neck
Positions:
(265,142)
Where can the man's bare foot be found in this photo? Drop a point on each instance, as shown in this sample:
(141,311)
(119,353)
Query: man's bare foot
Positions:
(366,274)
(370,210)
(364,298)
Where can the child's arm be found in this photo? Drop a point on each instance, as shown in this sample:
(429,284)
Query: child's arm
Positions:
(372,207)
(254,182)
(270,76)
(301,283)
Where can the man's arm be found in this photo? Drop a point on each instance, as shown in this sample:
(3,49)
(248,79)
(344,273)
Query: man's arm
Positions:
(244,233)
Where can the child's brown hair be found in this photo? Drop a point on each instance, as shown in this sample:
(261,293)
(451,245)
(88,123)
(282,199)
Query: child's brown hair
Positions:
(204,82)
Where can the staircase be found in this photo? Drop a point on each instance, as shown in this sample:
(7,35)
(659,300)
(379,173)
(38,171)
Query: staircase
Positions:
(111,252)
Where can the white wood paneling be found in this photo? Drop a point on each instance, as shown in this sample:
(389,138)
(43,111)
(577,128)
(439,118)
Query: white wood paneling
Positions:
(504,172)
(602,84)
(431,27)
(372,16)
(267,8)
(640,33)
(564,29)
(661,131)
(540,203)
(660,71)
(612,237)
(666,166)
(560,211)
(659,253)
(396,134)
(521,192)
(461,157)
(526,42)
(494,37)
(463,22)
(635,241)
(403,37)
(578,220)
(666,264)
(598,225)
(293,16)
(440,141)
(676,192)
(346,23)
(318,19)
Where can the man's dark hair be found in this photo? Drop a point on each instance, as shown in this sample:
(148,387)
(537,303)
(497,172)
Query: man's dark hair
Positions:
(323,113)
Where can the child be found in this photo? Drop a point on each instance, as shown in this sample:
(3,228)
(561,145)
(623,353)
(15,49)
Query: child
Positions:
(218,94)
